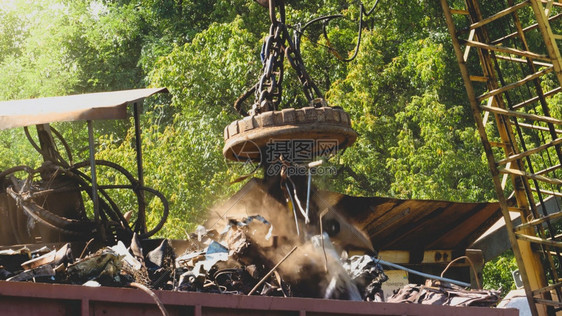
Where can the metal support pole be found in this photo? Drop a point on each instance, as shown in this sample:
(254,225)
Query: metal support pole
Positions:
(309,185)
(141,220)
(95,197)
(425,275)
(308,191)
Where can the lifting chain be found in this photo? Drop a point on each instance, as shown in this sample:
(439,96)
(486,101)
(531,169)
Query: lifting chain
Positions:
(269,89)
(277,46)
(292,52)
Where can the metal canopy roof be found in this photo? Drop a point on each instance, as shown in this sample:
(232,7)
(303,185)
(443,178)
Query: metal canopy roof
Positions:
(389,224)
(90,106)
(416,224)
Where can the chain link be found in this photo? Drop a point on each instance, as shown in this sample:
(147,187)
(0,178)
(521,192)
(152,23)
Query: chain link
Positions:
(278,45)
(292,52)
(269,89)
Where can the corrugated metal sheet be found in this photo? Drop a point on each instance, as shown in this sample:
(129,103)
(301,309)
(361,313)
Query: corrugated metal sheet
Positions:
(91,106)
(416,224)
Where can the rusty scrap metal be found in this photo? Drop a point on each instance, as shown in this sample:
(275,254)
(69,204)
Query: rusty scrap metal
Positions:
(232,262)
(443,293)
(368,275)
(45,270)
(214,268)
(54,257)
(11,260)
(104,266)
(272,270)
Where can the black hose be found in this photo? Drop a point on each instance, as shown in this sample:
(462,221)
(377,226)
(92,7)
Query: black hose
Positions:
(158,194)
(108,207)
(135,186)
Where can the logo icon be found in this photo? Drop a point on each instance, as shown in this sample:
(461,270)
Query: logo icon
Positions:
(247,157)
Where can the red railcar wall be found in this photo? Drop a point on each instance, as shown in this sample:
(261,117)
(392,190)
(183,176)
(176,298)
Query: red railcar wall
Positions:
(24,298)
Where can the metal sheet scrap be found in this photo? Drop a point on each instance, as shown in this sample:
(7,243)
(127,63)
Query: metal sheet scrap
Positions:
(440,293)
(234,261)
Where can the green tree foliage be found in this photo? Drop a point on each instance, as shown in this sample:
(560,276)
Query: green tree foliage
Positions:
(184,155)
(36,62)
(416,136)
(497,273)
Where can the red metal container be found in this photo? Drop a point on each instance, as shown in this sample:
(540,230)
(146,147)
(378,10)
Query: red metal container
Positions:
(24,298)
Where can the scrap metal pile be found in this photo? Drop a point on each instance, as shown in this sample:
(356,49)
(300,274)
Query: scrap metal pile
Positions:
(438,293)
(229,262)
(237,260)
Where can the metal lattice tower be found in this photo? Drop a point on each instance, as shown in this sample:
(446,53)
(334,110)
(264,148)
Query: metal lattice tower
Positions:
(510,62)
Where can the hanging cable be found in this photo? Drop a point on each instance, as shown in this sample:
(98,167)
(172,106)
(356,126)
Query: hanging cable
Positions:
(326,19)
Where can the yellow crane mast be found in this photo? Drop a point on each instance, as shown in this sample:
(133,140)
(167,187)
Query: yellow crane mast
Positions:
(510,63)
